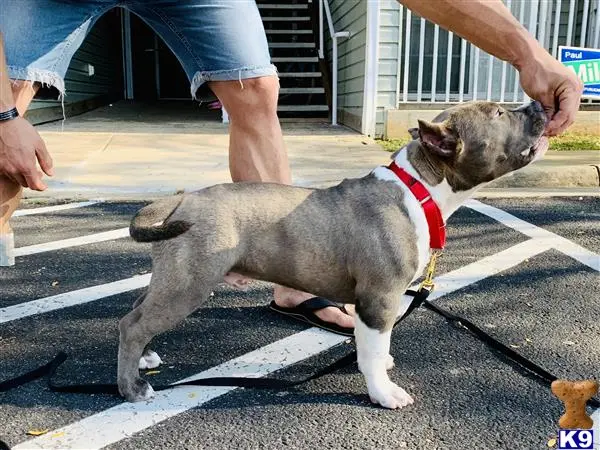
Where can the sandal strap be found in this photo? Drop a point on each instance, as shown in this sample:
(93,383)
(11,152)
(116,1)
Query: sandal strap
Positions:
(316,303)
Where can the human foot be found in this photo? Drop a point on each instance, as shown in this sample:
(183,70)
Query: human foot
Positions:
(291,298)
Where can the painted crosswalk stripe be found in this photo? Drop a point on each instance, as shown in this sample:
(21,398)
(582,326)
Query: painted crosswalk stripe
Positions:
(125,419)
(72,242)
(486,267)
(122,421)
(445,283)
(549,238)
(72,298)
(51,209)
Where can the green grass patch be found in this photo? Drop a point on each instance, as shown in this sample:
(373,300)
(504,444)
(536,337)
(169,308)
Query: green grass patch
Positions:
(564,142)
(575,141)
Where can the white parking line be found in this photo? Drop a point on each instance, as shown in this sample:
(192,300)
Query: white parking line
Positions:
(550,239)
(486,267)
(445,283)
(72,298)
(596,418)
(120,422)
(47,209)
(72,242)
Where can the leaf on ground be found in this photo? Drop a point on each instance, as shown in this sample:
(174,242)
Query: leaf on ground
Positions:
(37,432)
(552,442)
(54,283)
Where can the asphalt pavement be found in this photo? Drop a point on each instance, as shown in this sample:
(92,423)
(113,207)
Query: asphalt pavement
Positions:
(539,294)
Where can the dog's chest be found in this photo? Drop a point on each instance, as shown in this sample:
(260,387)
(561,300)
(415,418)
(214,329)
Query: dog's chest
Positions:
(415,214)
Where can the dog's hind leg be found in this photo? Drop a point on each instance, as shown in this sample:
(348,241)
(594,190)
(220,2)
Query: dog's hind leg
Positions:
(149,359)
(165,305)
(374,319)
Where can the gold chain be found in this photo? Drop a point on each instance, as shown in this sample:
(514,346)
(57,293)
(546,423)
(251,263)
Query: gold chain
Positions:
(428,281)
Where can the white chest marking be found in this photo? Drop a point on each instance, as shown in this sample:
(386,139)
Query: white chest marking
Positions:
(416,215)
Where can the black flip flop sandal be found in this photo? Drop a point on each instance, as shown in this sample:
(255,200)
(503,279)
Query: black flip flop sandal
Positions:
(305,312)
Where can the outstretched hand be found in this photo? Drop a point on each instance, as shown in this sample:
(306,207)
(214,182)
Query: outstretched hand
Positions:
(556,87)
(20,148)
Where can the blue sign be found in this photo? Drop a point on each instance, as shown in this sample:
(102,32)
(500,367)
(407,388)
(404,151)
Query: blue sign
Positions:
(575,439)
(585,62)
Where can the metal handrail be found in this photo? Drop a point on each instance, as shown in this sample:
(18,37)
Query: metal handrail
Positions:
(324,5)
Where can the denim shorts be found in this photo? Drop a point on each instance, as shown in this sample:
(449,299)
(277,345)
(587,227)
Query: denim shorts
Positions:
(214,40)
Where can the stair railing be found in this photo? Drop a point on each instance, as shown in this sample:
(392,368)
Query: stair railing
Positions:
(324,6)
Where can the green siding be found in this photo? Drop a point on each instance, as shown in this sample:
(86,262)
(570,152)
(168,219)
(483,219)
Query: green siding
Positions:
(350,15)
(100,49)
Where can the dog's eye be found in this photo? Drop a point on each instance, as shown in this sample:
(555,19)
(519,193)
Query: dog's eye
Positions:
(498,113)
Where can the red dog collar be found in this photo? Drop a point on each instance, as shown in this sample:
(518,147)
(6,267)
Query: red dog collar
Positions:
(437,228)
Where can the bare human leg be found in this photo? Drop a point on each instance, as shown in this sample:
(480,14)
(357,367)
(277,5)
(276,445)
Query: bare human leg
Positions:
(257,153)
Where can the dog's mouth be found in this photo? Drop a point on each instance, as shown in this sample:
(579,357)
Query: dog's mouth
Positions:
(538,149)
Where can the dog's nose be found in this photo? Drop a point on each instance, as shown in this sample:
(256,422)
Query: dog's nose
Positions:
(536,107)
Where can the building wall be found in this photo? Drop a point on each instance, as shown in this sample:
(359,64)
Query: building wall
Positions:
(476,63)
(388,74)
(102,50)
(350,15)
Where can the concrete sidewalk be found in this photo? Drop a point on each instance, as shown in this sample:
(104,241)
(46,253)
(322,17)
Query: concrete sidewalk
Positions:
(132,152)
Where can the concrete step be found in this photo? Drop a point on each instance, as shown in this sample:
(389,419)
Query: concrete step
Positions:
(282,6)
(302,90)
(307,59)
(286,19)
(288,31)
(299,74)
(302,108)
(291,45)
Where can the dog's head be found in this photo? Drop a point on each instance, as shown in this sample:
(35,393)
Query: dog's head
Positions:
(477,142)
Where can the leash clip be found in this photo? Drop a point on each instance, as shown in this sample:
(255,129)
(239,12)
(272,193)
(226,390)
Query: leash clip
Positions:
(428,281)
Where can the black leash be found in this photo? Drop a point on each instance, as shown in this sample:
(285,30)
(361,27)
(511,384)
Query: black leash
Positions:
(542,374)
(50,369)
(419,298)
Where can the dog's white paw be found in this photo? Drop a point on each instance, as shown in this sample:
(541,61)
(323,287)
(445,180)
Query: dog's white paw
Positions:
(138,391)
(149,360)
(389,395)
(389,362)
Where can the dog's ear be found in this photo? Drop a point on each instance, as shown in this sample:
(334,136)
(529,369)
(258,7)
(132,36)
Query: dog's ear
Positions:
(414,133)
(438,138)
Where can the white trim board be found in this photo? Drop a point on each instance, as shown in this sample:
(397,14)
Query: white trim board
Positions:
(369,111)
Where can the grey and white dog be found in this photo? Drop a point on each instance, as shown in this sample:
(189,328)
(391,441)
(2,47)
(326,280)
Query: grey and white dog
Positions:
(362,242)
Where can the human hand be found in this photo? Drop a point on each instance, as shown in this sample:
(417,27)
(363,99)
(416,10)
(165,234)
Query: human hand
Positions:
(557,88)
(20,146)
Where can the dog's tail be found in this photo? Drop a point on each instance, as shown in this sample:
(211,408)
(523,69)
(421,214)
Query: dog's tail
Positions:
(151,223)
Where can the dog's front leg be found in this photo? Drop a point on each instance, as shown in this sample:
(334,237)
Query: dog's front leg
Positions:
(373,330)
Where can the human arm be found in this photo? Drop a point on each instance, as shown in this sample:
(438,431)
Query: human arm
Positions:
(489,25)
(20,143)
